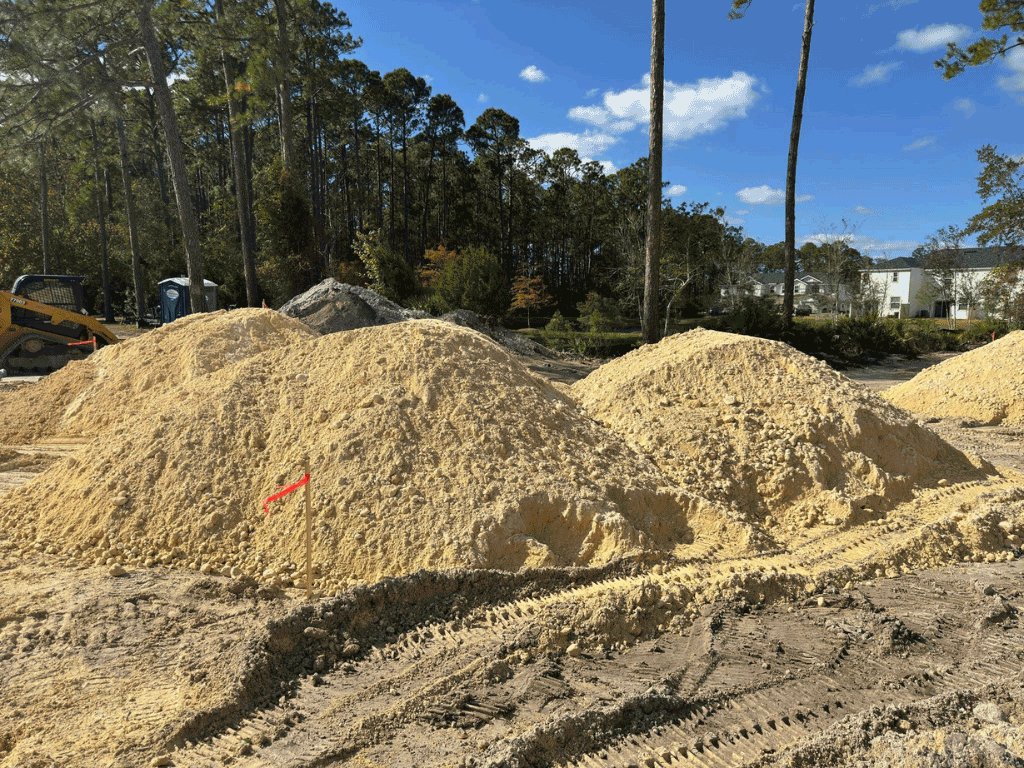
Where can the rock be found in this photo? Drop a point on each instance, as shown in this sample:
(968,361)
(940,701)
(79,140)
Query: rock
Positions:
(316,633)
(118,570)
(351,649)
(161,760)
(989,712)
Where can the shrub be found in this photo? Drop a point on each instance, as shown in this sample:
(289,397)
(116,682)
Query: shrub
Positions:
(390,274)
(474,281)
(599,314)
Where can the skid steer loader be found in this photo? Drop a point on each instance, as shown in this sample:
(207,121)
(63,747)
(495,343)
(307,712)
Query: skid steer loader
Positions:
(43,325)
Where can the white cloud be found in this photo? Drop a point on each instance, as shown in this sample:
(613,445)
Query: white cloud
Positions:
(924,141)
(1014,81)
(765,195)
(608,166)
(879,73)
(931,37)
(742,213)
(676,190)
(879,248)
(586,144)
(894,4)
(864,210)
(966,106)
(690,108)
(533,74)
(482,98)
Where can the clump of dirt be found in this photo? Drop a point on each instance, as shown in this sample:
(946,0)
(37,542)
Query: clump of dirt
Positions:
(985,385)
(89,396)
(428,445)
(777,436)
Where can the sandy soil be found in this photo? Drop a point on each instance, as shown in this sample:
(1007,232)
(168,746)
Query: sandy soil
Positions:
(830,653)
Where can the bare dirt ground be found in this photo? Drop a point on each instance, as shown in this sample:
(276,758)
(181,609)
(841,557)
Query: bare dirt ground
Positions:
(822,655)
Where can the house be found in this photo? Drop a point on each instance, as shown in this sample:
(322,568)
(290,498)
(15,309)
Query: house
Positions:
(944,284)
(811,290)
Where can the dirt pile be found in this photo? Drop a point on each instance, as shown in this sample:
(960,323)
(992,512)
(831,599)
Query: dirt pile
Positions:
(985,385)
(87,397)
(330,306)
(774,434)
(428,445)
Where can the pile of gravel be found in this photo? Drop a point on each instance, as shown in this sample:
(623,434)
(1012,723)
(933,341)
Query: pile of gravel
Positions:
(330,306)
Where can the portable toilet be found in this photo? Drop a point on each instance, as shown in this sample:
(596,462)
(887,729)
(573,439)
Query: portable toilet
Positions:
(174,297)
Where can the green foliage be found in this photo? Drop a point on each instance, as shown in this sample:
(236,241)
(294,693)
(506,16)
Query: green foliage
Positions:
(389,274)
(984,331)
(1002,294)
(599,314)
(753,316)
(474,281)
(1002,181)
(285,235)
(996,14)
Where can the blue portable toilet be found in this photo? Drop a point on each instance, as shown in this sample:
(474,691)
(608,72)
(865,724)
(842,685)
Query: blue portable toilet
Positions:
(174,298)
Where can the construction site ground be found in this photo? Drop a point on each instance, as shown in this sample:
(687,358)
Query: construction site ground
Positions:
(168,666)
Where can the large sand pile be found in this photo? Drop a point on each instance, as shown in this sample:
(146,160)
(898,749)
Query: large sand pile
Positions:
(87,397)
(429,446)
(985,385)
(772,433)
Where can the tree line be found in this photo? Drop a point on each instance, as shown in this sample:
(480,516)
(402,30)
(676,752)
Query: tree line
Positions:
(241,142)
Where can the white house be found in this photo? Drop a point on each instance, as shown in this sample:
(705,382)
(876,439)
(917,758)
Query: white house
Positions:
(810,291)
(904,287)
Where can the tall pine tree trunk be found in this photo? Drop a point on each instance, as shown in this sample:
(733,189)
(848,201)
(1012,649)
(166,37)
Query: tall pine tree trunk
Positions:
(44,207)
(789,278)
(284,89)
(175,152)
(133,229)
(243,202)
(652,277)
(108,310)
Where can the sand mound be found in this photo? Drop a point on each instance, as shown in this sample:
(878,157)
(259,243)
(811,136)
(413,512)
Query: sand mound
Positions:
(767,430)
(985,385)
(87,397)
(429,447)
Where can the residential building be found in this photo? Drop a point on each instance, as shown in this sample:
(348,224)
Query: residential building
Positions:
(905,287)
(811,291)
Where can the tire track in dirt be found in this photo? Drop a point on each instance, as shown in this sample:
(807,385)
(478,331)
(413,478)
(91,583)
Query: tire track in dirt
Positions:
(425,673)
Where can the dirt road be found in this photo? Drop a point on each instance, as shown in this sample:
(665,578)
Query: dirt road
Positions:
(831,654)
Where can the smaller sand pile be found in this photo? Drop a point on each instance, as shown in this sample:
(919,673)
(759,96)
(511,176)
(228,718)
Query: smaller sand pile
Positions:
(429,447)
(767,430)
(985,385)
(86,397)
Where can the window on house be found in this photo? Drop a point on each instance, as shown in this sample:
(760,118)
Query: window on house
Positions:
(895,277)
(894,302)
(962,306)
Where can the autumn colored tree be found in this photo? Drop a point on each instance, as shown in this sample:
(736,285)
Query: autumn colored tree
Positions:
(530,293)
(436,259)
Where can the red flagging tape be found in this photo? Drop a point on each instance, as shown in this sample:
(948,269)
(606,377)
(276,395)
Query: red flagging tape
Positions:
(285,492)
(80,343)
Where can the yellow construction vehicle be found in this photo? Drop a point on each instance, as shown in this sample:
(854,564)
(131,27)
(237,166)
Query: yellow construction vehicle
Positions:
(43,325)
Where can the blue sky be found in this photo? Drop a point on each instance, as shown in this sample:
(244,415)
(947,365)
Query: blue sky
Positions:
(886,143)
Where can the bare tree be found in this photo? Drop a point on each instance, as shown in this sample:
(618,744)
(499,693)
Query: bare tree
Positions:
(739,7)
(653,254)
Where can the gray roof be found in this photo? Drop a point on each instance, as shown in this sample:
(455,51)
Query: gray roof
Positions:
(969,258)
